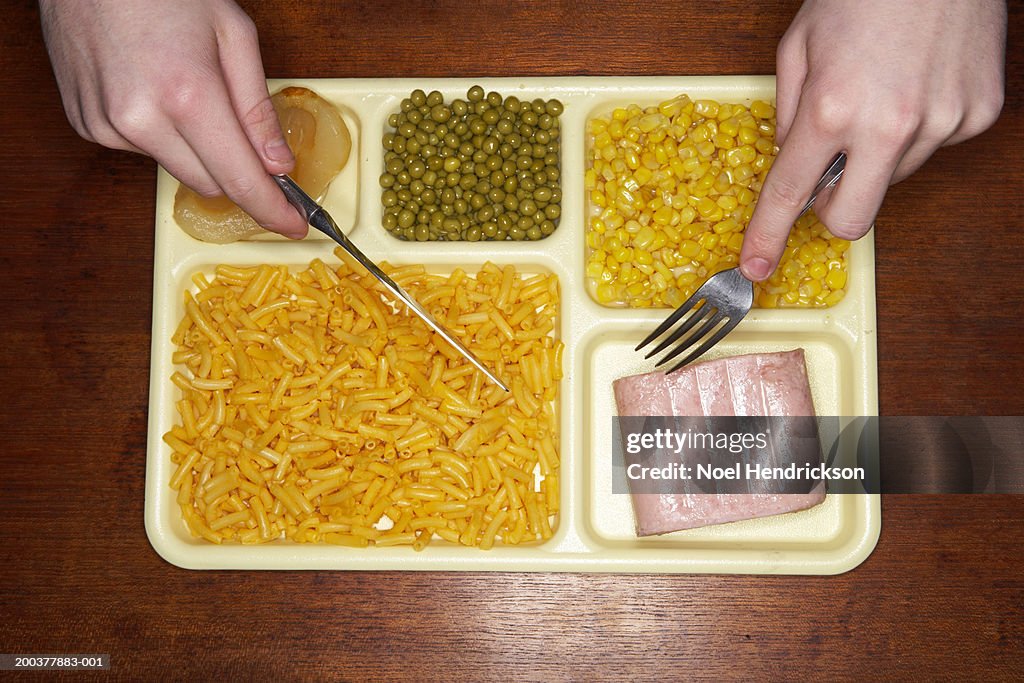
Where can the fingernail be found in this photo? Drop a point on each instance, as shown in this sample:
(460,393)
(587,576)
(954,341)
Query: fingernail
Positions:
(757,269)
(278,150)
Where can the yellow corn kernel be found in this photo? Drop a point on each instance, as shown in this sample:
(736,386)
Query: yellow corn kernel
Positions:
(708,108)
(605,293)
(835,279)
(761,109)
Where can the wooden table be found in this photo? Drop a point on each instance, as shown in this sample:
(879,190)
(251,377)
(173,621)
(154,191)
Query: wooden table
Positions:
(940,596)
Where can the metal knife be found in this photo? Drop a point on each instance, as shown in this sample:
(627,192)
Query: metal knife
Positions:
(318,218)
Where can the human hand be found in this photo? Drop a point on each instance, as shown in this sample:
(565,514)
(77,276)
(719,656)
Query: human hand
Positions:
(886,81)
(182,82)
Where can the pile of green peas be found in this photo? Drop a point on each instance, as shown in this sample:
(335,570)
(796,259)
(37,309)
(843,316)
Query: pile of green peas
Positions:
(483,168)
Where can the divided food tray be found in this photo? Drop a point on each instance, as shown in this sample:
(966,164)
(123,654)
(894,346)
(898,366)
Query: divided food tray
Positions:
(595,526)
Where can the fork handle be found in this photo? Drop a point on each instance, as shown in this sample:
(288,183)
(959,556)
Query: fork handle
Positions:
(829,178)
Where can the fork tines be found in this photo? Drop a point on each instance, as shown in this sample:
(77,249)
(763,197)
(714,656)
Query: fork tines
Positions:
(710,314)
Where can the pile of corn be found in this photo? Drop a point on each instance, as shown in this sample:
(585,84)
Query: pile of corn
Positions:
(671,189)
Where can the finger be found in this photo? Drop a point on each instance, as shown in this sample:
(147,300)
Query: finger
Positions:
(797,169)
(849,210)
(212,129)
(246,83)
(791,72)
(181,161)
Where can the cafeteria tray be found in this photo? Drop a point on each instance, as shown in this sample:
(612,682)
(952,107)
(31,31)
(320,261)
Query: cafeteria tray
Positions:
(595,526)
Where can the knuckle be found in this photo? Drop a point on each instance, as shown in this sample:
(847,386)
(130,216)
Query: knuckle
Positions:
(831,113)
(782,194)
(984,112)
(183,99)
(900,123)
(261,117)
(240,189)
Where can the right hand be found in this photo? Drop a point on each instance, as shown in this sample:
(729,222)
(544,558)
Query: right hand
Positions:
(182,82)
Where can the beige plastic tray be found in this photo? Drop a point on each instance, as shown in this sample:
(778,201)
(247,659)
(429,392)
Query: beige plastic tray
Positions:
(595,528)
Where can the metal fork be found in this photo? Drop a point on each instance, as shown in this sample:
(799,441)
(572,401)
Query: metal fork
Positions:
(722,301)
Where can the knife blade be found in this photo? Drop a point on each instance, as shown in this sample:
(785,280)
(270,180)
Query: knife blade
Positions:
(318,218)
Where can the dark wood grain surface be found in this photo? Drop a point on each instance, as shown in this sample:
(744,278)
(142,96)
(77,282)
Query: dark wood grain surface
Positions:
(941,596)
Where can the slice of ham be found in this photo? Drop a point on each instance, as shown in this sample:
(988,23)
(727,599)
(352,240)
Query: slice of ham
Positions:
(763,384)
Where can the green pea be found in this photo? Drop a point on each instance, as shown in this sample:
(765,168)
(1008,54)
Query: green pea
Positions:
(516,233)
(529,118)
(406,218)
(389,198)
(534,233)
(490,117)
(473,233)
(422,233)
(552,211)
(460,108)
(504,126)
(554,107)
(428,196)
(389,221)
(398,146)
(546,228)
(386,180)
(512,104)
(475,94)
(440,113)
(434,98)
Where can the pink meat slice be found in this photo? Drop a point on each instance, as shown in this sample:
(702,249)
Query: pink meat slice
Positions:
(762,384)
